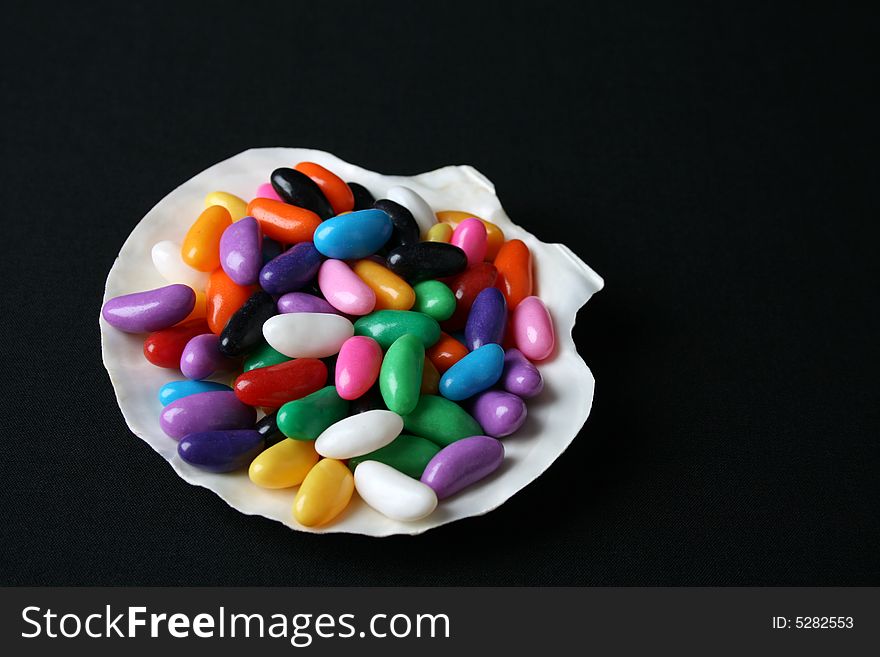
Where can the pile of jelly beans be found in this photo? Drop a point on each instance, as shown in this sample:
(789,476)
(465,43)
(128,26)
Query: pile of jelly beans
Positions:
(385,348)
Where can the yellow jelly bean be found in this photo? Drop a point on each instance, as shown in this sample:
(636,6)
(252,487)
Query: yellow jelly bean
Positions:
(494,235)
(201,246)
(199,310)
(284,464)
(324,493)
(440,233)
(237,207)
(392,292)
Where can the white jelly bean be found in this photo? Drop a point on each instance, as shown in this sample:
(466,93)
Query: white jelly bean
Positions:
(167,261)
(359,434)
(392,493)
(307,335)
(421,211)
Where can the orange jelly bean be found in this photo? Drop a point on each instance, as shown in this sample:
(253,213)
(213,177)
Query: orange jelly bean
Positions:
(514,265)
(494,235)
(223,298)
(201,246)
(446,352)
(284,222)
(392,292)
(335,188)
(201,308)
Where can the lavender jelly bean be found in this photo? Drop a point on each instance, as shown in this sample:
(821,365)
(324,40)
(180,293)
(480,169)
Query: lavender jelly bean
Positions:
(206,411)
(241,252)
(152,310)
(486,320)
(520,376)
(499,413)
(303,302)
(462,463)
(201,357)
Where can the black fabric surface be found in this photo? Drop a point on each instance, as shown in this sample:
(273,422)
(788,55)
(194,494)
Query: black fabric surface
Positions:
(716,166)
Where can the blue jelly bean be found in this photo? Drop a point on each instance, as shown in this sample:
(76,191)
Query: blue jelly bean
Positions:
(176,389)
(477,371)
(353,235)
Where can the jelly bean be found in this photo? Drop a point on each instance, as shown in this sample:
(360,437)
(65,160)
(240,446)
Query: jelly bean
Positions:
(244,330)
(283,465)
(487,319)
(286,223)
(263,356)
(406,230)
(434,299)
(177,389)
(400,378)
(533,329)
(201,357)
(392,292)
(334,188)
(274,386)
(291,270)
(470,237)
(440,420)
(369,401)
(309,417)
(298,189)
(302,302)
(494,235)
(466,286)
(224,298)
(344,290)
(324,493)
(170,265)
(268,428)
(363,199)
(520,377)
(354,235)
(463,463)
(430,378)
(164,348)
(220,451)
(359,434)
(446,352)
(357,366)
(241,251)
(201,246)
(514,265)
(392,493)
(385,326)
(206,411)
(406,453)
(152,310)
(474,373)
(236,207)
(270,250)
(421,211)
(307,335)
(440,233)
(200,309)
(419,262)
(499,413)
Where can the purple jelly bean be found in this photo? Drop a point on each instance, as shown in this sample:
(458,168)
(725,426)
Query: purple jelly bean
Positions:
(486,320)
(462,463)
(302,302)
(499,413)
(292,270)
(206,411)
(153,310)
(241,251)
(221,451)
(520,376)
(201,357)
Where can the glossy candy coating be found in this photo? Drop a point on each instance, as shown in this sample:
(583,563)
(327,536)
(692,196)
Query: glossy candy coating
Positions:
(201,357)
(324,493)
(224,298)
(477,371)
(499,413)
(307,335)
(268,428)
(151,310)
(440,420)
(272,387)
(336,190)
(298,189)
(357,366)
(345,290)
(466,286)
(533,329)
(386,326)
(354,235)
(392,292)
(359,434)
(244,330)
(236,206)
(201,246)
(200,308)
(462,464)
(284,464)
(515,278)
(470,237)
(309,417)
(271,249)
(263,355)
(303,302)
(170,265)
(177,389)
(417,206)
(164,348)
(434,299)
(446,352)
(440,233)
(392,493)
(494,235)
(426,260)
(241,251)
(405,229)
(520,376)
(487,319)
(363,199)
(430,379)
(407,453)
(222,450)
(286,223)
(292,270)
(267,191)
(206,411)
(400,379)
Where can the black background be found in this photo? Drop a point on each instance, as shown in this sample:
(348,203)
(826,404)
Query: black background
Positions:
(716,165)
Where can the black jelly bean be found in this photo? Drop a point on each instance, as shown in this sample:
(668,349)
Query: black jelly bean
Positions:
(406,230)
(371,400)
(268,428)
(271,249)
(244,331)
(298,189)
(362,197)
(427,260)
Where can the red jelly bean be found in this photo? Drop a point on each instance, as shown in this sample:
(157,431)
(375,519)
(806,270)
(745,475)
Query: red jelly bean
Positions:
(164,348)
(273,386)
(466,286)
(446,352)
(514,265)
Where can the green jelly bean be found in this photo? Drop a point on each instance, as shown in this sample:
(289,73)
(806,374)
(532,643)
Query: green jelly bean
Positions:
(385,326)
(434,299)
(401,375)
(407,454)
(263,356)
(307,418)
(440,420)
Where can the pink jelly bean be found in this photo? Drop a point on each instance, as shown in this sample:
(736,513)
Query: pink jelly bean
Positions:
(267,191)
(357,366)
(533,329)
(344,289)
(470,237)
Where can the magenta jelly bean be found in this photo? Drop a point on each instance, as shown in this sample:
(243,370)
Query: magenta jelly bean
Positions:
(520,376)
(499,413)
(357,366)
(201,357)
(533,329)
(152,310)
(241,251)
(462,463)
(267,191)
(206,411)
(303,302)
(471,237)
